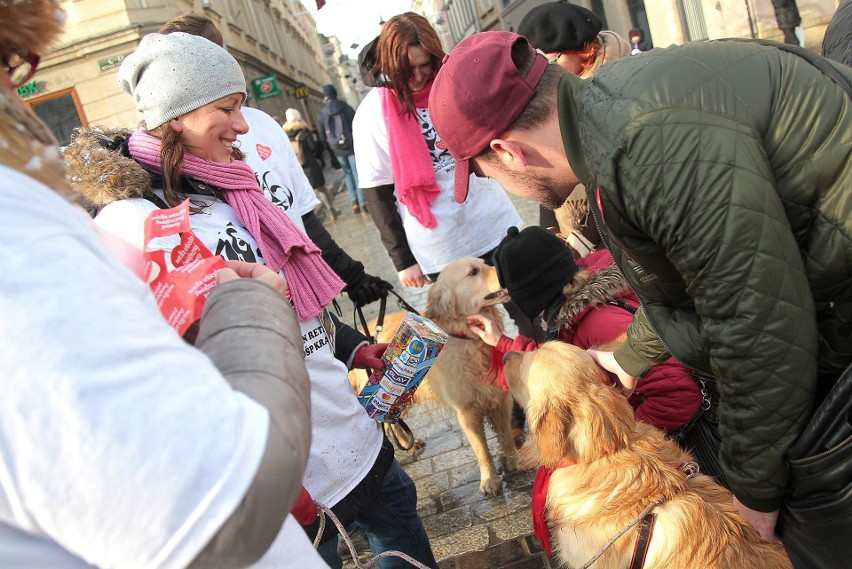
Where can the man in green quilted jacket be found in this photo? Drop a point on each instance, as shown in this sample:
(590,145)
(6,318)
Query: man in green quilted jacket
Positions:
(719,175)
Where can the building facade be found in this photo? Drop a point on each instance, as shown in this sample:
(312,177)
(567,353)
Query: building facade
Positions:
(275,42)
(344,72)
(664,22)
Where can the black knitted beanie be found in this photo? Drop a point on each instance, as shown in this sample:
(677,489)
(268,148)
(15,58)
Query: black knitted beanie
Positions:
(558,26)
(533,265)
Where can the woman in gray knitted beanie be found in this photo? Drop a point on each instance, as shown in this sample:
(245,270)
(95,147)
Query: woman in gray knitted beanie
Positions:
(190,92)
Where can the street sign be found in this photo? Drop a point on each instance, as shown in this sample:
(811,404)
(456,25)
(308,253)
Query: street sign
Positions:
(301,92)
(111,63)
(265,87)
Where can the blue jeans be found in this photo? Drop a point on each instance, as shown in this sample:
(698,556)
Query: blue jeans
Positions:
(350,178)
(391,522)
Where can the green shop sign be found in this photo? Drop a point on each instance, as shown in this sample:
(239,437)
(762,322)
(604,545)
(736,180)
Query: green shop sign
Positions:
(29,89)
(265,87)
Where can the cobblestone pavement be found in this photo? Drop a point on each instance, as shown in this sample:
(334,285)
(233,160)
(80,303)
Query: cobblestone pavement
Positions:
(467,530)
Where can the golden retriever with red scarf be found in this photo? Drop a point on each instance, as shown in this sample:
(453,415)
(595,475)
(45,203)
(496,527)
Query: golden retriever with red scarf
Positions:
(465,287)
(606,469)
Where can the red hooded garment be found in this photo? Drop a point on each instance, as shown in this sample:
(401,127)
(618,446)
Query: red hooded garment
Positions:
(668,396)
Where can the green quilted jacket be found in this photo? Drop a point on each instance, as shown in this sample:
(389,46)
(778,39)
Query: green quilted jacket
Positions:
(720,177)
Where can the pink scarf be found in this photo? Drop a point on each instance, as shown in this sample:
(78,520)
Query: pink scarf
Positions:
(313,285)
(411,161)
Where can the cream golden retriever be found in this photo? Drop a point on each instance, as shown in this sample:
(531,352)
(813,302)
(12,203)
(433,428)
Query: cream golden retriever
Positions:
(609,468)
(465,287)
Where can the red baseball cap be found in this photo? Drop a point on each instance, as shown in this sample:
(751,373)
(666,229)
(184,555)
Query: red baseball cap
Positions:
(477,95)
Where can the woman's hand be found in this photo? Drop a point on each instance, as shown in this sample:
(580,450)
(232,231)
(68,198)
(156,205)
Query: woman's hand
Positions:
(484,327)
(413,277)
(606,360)
(243,270)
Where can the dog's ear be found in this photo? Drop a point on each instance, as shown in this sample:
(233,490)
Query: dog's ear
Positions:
(551,425)
(441,303)
(603,421)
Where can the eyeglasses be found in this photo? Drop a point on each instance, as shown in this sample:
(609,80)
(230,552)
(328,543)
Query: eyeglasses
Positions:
(553,59)
(20,64)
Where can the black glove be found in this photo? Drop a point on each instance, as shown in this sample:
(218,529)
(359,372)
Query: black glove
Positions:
(367,289)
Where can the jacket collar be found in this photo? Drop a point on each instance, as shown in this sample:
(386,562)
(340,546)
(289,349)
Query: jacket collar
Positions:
(594,289)
(568,102)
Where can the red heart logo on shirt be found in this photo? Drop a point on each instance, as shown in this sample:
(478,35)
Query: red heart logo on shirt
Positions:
(263,151)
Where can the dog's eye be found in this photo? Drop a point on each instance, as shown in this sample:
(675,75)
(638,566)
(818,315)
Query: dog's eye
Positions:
(472,272)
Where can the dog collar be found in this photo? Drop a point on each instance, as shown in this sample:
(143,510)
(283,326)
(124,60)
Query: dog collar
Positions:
(495,372)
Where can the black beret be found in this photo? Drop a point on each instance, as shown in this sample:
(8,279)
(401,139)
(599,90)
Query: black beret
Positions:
(533,265)
(558,26)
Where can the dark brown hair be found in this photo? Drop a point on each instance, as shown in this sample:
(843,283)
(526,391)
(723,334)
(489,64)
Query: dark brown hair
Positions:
(398,34)
(195,25)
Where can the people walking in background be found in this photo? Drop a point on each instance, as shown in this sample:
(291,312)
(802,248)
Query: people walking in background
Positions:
(571,37)
(334,126)
(269,152)
(349,457)
(147,451)
(731,223)
(789,21)
(305,148)
(637,41)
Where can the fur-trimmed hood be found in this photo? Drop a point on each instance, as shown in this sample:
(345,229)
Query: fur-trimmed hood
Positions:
(99,170)
(587,290)
(31,24)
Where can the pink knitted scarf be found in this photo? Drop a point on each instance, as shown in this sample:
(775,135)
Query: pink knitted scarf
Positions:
(313,285)
(413,172)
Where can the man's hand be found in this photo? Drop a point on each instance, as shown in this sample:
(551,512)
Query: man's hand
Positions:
(606,360)
(484,327)
(369,356)
(242,270)
(413,277)
(764,522)
(367,289)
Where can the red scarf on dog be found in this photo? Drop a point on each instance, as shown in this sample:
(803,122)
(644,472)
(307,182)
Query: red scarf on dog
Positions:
(539,503)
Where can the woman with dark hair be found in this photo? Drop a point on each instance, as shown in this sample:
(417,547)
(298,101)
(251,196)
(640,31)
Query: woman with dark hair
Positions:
(406,172)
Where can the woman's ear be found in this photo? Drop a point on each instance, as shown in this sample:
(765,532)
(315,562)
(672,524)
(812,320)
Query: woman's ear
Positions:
(176,125)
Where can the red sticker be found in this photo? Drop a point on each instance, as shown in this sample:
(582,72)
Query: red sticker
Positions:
(263,151)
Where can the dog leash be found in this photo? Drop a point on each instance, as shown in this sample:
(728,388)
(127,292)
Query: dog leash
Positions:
(380,319)
(324,511)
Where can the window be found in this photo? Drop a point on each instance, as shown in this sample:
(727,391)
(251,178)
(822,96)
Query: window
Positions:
(61,112)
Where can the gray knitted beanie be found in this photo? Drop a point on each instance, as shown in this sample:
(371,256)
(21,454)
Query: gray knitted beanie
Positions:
(171,75)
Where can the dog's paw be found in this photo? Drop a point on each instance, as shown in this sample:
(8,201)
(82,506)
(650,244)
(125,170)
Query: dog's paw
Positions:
(490,486)
(512,463)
